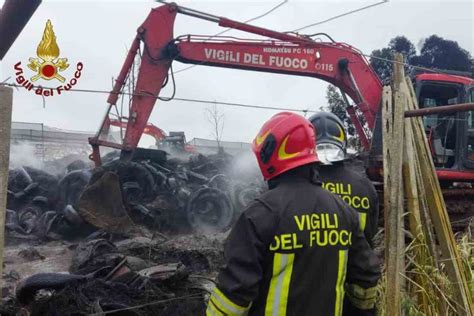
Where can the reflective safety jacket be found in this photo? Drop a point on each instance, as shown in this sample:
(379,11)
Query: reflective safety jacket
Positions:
(355,189)
(296,250)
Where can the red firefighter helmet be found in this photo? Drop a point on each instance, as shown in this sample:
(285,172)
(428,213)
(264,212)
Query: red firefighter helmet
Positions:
(284,142)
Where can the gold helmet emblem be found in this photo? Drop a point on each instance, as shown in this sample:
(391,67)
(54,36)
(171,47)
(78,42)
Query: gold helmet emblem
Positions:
(48,65)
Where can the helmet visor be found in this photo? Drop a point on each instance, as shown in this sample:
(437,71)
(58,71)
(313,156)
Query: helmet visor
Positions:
(329,153)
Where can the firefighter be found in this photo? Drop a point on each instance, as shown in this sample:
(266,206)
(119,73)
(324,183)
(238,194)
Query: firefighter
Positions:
(341,178)
(297,249)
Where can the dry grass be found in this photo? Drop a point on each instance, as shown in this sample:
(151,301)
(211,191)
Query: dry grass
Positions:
(428,291)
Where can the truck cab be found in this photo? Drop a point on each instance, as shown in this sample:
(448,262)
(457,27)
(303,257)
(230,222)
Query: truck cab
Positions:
(451,136)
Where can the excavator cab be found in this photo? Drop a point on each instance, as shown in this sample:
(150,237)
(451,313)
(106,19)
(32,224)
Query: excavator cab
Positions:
(451,136)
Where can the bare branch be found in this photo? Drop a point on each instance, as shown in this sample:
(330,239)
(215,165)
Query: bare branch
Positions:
(216,120)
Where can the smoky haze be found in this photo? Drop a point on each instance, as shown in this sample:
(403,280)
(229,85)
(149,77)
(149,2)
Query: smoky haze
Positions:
(244,167)
(23,154)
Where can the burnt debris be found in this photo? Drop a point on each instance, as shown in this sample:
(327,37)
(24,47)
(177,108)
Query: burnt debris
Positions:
(103,278)
(130,234)
(151,191)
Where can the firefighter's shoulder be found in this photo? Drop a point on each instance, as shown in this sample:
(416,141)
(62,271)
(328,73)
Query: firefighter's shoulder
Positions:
(339,206)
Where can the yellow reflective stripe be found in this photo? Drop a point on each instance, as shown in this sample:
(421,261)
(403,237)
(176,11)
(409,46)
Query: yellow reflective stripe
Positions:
(341,134)
(260,138)
(282,154)
(362,220)
(277,298)
(226,305)
(271,290)
(215,307)
(286,284)
(212,310)
(360,297)
(360,292)
(341,279)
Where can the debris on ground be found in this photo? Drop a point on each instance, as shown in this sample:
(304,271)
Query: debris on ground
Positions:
(155,193)
(143,237)
(163,276)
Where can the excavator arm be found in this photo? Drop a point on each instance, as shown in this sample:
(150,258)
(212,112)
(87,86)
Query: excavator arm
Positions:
(157,133)
(284,53)
(337,63)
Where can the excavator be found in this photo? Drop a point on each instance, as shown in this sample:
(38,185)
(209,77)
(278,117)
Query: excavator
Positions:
(157,133)
(175,140)
(451,137)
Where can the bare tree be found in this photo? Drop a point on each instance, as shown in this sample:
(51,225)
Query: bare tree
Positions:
(216,120)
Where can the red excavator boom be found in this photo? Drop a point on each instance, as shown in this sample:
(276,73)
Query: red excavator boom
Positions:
(286,53)
(157,133)
(337,63)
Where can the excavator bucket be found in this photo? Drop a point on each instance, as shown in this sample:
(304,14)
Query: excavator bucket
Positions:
(101,204)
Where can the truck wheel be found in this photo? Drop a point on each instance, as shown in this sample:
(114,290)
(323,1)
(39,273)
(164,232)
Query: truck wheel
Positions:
(209,210)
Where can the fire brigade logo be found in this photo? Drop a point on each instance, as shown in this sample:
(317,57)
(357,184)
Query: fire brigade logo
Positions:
(47,66)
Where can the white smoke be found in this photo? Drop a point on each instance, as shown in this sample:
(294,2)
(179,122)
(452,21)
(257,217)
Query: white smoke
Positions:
(25,154)
(244,167)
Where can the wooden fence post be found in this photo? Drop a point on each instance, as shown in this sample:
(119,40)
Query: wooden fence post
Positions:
(6,98)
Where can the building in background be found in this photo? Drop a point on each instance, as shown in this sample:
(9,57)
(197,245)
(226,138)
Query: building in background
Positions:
(47,143)
(209,146)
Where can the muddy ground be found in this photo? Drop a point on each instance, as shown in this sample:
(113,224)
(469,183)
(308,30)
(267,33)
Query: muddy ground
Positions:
(199,256)
(138,238)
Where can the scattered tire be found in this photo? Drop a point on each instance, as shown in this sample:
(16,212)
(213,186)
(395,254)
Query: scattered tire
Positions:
(209,210)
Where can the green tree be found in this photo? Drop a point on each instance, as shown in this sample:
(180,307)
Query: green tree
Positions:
(337,106)
(437,52)
(398,44)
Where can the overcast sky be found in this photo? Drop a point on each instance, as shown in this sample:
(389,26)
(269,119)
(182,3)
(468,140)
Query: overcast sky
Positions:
(97,33)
